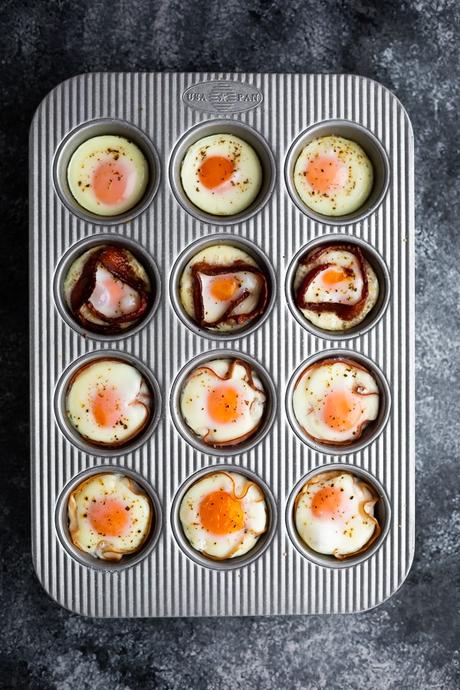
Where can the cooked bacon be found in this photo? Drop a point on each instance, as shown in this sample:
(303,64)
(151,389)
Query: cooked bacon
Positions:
(347,312)
(116,261)
(239,319)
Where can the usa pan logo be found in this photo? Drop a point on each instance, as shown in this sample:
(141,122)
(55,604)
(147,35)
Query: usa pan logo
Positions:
(222,96)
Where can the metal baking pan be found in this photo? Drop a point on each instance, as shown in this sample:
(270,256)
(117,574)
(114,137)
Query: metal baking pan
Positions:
(276,113)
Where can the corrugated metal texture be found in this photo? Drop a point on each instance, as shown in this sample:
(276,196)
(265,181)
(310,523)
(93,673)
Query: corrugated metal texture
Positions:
(167,583)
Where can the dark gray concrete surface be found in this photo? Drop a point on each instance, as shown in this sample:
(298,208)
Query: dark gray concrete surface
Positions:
(412,640)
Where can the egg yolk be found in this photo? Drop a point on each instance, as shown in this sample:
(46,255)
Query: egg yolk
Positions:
(223,404)
(326,502)
(223,288)
(221,513)
(108,517)
(325,173)
(106,407)
(342,411)
(332,276)
(109,182)
(214,171)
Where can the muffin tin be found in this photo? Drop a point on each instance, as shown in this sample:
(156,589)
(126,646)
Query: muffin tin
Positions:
(276,114)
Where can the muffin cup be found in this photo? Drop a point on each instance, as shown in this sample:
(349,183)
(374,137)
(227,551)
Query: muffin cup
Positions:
(372,430)
(372,147)
(72,434)
(247,134)
(193,439)
(382,512)
(80,248)
(380,269)
(231,563)
(62,522)
(96,128)
(193,249)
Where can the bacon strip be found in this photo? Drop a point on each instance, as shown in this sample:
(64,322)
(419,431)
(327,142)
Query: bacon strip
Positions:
(239,319)
(346,312)
(116,261)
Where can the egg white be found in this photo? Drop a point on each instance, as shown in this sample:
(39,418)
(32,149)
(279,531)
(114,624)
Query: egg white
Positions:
(232,196)
(216,255)
(96,489)
(133,392)
(193,403)
(328,320)
(359,176)
(86,159)
(237,543)
(348,531)
(311,391)
(128,302)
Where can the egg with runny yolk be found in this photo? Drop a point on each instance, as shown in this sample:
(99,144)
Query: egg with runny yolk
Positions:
(223,402)
(110,516)
(334,400)
(108,175)
(223,514)
(334,514)
(221,174)
(333,176)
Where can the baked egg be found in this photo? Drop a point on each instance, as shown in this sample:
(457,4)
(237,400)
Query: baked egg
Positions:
(223,402)
(108,175)
(333,176)
(335,287)
(221,174)
(223,515)
(334,514)
(109,515)
(108,402)
(222,288)
(107,289)
(334,400)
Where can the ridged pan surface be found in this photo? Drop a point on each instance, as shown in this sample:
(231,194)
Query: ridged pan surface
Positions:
(164,107)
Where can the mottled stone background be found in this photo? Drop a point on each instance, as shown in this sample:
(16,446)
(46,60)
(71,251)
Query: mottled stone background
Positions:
(409,642)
